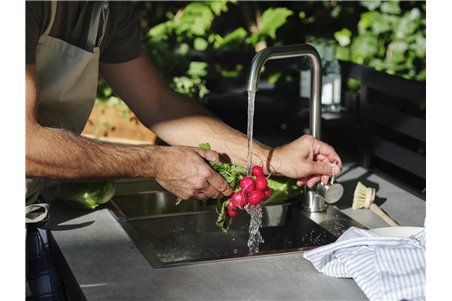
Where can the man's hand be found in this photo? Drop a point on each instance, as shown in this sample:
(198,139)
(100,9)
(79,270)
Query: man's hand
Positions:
(185,173)
(307,159)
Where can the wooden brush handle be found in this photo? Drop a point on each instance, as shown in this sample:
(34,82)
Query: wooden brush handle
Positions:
(377,210)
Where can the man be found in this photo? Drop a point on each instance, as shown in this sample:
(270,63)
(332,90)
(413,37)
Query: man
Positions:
(58,153)
(68,43)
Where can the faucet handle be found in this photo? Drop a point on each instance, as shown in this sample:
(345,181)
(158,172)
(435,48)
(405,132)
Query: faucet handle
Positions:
(331,192)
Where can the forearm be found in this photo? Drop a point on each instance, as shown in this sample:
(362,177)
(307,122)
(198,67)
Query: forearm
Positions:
(175,118)
(56,153)
(191,124)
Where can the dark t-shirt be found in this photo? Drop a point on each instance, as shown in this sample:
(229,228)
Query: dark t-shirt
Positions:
(120,43)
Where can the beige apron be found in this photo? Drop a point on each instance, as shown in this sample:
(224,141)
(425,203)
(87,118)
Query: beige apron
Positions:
(67,81)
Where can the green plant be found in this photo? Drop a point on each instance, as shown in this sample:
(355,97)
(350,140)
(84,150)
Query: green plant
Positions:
(387,39)
(386,35)
(170,42)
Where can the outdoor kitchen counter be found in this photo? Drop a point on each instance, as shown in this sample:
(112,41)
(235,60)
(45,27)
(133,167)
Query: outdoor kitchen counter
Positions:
(107,266)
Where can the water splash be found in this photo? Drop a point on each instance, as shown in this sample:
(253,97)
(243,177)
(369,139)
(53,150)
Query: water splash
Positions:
(255,237)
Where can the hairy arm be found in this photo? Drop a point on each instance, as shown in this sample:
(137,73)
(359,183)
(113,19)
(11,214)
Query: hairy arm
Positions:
(179,120)
(56,153)
(175,118)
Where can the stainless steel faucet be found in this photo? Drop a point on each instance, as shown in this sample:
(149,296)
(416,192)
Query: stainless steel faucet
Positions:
(313,201)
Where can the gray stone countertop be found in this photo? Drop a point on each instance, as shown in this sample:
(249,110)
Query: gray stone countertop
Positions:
(108,266)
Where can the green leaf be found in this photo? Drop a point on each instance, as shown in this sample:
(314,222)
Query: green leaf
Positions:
(195,20)
(366,20)
(384,23)
(282,189)
(353,85)
(419,46)
(371,5)
(200,44)
(230,172)
(183,49)
(160,32)
(343,53)
(390,7)
(231,41)
(364,48)
(396,52)
(229,73)
(343,37)
(221,219)
(272,20)
(205,146)
(336,11)
(218,7)
(273,78)
(408,25)
(197,69)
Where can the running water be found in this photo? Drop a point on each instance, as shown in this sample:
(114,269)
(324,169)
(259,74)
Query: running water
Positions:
(249,132)
(255,212)
(255,223)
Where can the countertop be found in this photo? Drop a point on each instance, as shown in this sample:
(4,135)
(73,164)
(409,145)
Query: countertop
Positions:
(107,266)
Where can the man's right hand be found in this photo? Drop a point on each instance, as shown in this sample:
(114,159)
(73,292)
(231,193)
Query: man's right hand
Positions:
(183,171)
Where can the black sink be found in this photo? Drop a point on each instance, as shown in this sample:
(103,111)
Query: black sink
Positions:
(171,235)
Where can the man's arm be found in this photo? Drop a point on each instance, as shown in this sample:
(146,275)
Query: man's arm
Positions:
(175,118)
(179,120)
(57,153)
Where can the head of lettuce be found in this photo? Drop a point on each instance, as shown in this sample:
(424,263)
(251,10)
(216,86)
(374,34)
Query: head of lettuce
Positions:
(85,195)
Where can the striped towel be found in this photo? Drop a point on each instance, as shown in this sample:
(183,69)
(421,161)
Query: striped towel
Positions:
(385,268)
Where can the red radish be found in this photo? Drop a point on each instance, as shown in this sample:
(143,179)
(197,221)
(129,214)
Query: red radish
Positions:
(261,183)
(231,210)
(255,197)
(231,213)
(230,206)
(247,184)
(267,192)
(239,199)
(257,171)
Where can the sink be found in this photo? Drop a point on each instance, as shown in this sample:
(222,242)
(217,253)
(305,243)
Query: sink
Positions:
(169,235)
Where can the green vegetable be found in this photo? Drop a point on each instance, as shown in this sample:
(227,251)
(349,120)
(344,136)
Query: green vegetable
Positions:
(282,189)
(230,172)
(85,195)
(221,220)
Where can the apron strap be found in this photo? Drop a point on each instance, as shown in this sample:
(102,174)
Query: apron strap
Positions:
(100,8)
(53,7)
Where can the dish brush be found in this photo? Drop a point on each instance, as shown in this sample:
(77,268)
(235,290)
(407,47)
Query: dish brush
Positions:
(364,198)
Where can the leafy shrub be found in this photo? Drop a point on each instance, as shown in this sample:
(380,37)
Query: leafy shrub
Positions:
(386,35)
(387,39)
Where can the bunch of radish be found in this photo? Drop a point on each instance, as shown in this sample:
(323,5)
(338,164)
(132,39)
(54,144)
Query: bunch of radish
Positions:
(253,191)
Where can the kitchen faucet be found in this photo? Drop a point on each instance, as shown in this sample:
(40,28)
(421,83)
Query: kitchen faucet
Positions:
(314,202)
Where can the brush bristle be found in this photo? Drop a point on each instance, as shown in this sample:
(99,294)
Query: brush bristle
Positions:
(362,196)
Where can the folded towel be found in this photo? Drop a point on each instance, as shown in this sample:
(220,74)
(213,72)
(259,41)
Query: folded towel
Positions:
(385,268)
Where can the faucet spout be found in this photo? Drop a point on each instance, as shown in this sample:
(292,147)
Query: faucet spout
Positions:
(280,52)
(313,201)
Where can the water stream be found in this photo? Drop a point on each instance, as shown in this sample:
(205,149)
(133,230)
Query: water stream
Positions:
(249,131)
(255,237)
(255,212)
